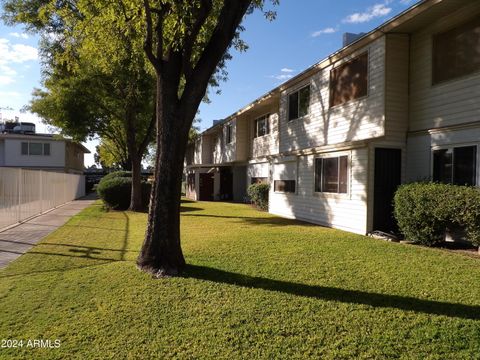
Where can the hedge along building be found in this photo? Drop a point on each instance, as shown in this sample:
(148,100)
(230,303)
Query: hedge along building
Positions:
(398,104)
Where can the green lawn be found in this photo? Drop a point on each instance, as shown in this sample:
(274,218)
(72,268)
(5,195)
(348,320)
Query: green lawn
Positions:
(257,286)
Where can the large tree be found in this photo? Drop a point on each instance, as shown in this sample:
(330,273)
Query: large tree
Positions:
(187,42)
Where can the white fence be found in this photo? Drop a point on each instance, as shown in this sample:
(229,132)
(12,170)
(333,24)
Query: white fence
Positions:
(26,193)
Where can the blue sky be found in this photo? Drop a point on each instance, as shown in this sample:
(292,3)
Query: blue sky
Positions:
(304,32)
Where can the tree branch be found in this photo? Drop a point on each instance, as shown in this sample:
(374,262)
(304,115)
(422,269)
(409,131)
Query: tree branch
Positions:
(229,19)
(199,20)
(148,46)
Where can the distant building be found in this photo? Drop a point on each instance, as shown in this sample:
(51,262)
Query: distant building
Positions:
(21,147)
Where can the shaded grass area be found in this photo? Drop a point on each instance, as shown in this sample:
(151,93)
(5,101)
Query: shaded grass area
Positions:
(257,286)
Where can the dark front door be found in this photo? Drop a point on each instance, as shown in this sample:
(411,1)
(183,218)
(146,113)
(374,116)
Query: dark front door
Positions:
(388,165)
(226,184)
(206,187)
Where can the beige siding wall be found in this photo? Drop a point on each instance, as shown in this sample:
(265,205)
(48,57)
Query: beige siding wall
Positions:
(267,144)
(448,103)
(223,152)
(197,151)
(342,211)
(241,139)
(356,120)
(396,87)
(258,170)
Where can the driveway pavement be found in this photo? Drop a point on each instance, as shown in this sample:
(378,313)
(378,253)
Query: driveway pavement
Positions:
(18,240)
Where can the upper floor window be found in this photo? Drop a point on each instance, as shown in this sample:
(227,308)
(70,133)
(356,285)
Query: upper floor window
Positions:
(331,174)
(349,81)
(262,126)
(456,165)
(33,148)
(456,52)
(299,103)
(228,134)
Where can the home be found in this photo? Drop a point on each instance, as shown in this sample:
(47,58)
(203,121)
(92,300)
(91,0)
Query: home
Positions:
(395,105)
(21,147)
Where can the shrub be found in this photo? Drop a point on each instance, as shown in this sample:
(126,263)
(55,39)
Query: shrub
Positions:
(258,194)
(116,192)
(117,174)
(424,211)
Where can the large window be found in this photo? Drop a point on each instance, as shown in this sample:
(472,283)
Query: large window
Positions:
(33,148)
(455,165)
(349,81)
(299,103)
(262,126)
(285,186)
(457,52)
(331,174)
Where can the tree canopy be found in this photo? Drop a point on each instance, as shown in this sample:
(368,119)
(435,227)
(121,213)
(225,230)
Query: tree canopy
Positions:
(187,44)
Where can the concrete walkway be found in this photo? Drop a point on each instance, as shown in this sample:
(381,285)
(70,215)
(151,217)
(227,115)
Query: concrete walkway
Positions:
(18,240)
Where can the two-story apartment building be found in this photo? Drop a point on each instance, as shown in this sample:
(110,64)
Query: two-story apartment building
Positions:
(41,152)
(399,104)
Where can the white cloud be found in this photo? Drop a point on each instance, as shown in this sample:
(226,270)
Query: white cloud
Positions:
(328,30)
(372,12)
(12,54)
(284,75)
(19,35)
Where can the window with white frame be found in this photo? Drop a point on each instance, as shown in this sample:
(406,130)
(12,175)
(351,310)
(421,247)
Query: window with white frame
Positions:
(331,174)
(299,103)
(262,126)
(455,165)
(35,148)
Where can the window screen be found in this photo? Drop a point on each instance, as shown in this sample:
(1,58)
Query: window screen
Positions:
(229,134)
(46,149)
(455,165)
(24,148)
(331,174)
(262,126)
(457,52)
(349,81)
(286,186)
(35,148)
(299,103)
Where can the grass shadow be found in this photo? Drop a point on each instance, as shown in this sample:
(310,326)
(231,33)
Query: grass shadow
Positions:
(271,220)
(405,303)
(189,209)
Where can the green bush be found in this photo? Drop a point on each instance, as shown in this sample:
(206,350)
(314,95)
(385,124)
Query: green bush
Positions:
(258,194)
(117,174)
(424,211)
(116,192)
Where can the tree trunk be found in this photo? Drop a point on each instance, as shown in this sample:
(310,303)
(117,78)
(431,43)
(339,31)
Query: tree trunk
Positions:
(161,253)
(136,203)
